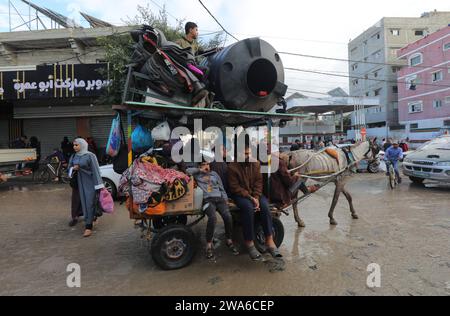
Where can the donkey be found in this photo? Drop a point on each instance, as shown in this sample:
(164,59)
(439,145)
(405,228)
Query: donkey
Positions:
(330,165)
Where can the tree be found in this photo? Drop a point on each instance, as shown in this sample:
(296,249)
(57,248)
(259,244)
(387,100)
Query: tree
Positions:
(119,47)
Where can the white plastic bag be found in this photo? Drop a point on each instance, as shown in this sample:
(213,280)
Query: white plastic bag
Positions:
(161,131)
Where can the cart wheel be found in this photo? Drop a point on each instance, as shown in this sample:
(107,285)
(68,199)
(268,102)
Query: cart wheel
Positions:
(161,222)
(173,247)
(260,238)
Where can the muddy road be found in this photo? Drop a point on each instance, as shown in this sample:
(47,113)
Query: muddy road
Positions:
(405,231)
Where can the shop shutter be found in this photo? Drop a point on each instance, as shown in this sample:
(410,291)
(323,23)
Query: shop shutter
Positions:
(4,133)
(100,127)
(50,132)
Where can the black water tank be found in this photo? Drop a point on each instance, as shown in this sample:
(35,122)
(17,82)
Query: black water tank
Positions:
(247,75)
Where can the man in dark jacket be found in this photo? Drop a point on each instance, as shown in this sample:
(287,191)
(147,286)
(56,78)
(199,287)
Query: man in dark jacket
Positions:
(246,188)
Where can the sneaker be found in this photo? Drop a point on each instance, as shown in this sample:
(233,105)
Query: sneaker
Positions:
(399,180)
(87,233)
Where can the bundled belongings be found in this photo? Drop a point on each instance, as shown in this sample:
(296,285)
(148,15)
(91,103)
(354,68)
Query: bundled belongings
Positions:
(141,139)
(170,68)
(151,184)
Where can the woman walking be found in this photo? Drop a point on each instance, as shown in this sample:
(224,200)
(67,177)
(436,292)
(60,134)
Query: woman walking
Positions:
(85,165)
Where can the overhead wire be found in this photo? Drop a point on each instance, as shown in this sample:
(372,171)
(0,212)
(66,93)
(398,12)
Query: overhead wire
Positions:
(215,19)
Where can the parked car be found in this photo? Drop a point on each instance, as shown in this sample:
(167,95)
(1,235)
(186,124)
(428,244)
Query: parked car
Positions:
(430,161)
(110,179)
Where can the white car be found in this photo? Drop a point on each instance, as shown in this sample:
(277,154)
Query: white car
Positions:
(110,179)
(431,161)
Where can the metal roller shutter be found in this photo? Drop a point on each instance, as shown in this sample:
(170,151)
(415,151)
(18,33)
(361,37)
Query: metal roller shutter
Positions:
(100,127)
(50,132)
(4,133)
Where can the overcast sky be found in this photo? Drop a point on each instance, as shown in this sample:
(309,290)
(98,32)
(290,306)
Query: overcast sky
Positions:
(318,27)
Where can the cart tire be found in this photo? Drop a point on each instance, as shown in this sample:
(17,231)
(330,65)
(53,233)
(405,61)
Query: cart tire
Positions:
(260,239)
(161,222)
(173,247)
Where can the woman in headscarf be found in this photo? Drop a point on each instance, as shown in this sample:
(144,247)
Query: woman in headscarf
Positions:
(85,164)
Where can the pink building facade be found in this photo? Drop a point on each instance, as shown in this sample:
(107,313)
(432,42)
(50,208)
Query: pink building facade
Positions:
(424,86)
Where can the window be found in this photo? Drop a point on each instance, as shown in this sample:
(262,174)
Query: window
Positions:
(395,105)
(436,76)
(394,51)
(377,92)
(415,60)
(447,46)
(395,69)
(412,82)
(376,55)
(413,125)
(367,94)
(415,107)
(437,104)
(376,36)
(366,76)
(355,82)
(447,100)
(354,67)
(394,89)
(376,73)
(418,32)
(395,32)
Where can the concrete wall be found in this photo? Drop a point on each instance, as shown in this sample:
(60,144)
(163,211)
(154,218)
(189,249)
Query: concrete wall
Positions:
(49,46)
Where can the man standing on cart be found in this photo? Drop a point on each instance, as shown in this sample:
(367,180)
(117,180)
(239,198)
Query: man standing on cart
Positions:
(190,39)
(246,187)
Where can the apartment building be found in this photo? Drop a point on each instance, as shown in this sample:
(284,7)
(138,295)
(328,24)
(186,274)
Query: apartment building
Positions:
(424,86)
(373,66)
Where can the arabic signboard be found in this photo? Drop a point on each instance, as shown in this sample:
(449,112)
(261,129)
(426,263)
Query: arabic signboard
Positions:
(54,81)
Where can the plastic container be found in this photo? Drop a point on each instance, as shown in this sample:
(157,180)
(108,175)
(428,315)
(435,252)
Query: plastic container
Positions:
(247,75)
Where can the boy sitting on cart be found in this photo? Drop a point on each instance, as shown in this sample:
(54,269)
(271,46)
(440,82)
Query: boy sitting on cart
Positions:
(214,199)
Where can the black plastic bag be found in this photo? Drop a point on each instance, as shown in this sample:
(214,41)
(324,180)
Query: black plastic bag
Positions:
(120,162)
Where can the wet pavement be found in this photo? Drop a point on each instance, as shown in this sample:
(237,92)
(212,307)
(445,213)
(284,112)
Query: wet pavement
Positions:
(405,231)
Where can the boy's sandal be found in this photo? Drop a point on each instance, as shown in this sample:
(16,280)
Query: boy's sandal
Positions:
(274,252)
(254,254)
(233,249)
(209,253)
